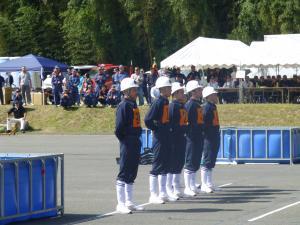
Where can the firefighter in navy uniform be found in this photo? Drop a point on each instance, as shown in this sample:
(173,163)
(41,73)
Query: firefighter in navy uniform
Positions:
(211,138)
(157,120)
(194,145)
(128,131)
(178,122)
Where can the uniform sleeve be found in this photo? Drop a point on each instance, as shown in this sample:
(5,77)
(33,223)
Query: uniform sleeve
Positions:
(120,122)
(152,117)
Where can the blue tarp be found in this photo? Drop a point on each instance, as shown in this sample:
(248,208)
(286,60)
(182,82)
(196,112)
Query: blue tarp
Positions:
(32,63)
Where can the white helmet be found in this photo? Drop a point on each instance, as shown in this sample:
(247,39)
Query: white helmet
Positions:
(192,85)
(208,91)
(127,83)
(163,82)
(176,86)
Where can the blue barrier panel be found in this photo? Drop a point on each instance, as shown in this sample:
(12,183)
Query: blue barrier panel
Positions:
(29,186)
(244,144)
(255,144)
(274,143)
(259,143)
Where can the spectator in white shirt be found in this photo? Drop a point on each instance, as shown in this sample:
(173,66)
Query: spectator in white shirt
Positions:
(25,85)
(139,78)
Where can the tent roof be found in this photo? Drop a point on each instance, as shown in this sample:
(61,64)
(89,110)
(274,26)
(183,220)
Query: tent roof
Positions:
(274,52)
(208,53)
(32,62)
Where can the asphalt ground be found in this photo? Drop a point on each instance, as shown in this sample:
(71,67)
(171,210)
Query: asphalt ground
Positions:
(250,191)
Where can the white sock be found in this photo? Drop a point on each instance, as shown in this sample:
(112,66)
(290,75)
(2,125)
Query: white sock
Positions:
(128,193)
(162,181)
(176,182)
(209,178)
(120,187)
(193,181)
(187,179)
(203,176)
(169,183)
(153,184)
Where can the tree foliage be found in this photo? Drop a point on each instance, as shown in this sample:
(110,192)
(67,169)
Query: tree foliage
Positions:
(118,31)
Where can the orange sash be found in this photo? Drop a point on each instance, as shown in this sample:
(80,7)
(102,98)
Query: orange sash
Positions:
(165,115)
(199,116)
(183,117)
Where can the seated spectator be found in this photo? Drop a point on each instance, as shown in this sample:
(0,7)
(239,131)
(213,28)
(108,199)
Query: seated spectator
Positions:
(113,97)
(179,77)
(255,81)
(268,82)
(193,75)
(19,117)
(17,97)
(262,81)
(228,97)
(103,95)
(66,100)
(229,82)
(90,99)
(294,81)
(213,82)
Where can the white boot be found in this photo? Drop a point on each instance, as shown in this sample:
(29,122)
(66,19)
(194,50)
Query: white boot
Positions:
(176,185)
(193,183)
(210,182)
(170,193)
(121,208)
(187,181)
(169,184)
(204,187)
(128,199)
(153,183)
(162,187)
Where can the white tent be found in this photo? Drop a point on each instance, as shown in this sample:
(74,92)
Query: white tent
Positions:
(273,53)
(208,53)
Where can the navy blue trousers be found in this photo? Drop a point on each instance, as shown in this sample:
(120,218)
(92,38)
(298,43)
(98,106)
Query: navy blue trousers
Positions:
(177,155)
(56,95)
(161,152)
(210,151)
(130,149)
(193,154)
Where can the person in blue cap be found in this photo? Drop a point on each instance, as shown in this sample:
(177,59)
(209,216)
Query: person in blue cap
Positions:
(211,138)
(74,81)
(194,138)
(128,130)
(157,120)
(57,85)
(178,122)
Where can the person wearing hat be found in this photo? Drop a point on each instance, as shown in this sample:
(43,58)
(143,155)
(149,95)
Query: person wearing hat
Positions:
(157,120)
(178,122)
(128,130)
(90,99)
(194,137)
(211,138)
(57,85)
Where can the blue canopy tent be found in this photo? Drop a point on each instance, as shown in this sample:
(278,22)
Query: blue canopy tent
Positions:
(32,63)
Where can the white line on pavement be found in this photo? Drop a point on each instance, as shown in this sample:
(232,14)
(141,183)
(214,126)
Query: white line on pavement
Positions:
(274,211)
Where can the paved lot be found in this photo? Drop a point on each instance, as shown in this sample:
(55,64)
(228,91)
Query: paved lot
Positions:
(90,171)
